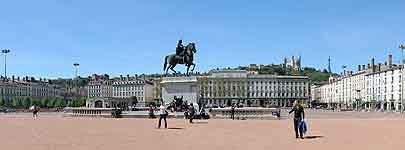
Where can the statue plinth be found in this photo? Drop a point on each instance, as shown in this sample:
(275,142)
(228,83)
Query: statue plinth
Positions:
(185,87)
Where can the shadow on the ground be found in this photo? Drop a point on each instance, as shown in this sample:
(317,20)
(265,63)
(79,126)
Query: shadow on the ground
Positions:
(313,137)
(175,128)
(200,122)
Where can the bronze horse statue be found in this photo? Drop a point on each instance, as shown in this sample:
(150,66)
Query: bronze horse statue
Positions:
(187,59)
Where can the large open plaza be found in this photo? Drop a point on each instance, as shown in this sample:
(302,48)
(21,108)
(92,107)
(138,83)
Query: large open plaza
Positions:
(215,75)
(327,130)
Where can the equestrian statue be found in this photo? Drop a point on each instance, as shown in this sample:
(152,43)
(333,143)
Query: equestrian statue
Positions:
(184,55)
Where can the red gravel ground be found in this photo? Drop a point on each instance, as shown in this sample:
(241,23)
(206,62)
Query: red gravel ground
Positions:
(57,133)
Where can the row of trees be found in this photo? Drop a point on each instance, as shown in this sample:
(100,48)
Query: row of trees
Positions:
(79,82)
(25,103)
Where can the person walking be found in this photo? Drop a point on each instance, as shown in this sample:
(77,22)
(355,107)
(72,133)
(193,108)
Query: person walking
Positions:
(233,112)
(163,114)
(151,112)
(192,112)
(35,110)
(299,117)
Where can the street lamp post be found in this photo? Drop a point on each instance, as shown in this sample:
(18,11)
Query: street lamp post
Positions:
(75,83)
(402,47)
(5,51)
(358,99)
(344,102)
(76,65)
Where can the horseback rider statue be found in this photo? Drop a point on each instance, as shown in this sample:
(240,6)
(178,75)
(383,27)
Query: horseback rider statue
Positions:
(184,55)
(180,50)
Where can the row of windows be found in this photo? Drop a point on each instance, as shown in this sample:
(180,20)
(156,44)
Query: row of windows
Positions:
(128,94)
(128,88)
(277,94)
(265,94)
(385,98)
(379,90)
(252,102)
(260,82)
(32,93)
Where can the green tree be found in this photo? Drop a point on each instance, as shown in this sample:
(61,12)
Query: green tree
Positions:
(14,103)
(7,103)
(27,102)
(2,103)
(72,103)
(78,102)
(82,102)
(51,103)
(64,103)
(36,102)
(58,103)
(17,103)
(44,102)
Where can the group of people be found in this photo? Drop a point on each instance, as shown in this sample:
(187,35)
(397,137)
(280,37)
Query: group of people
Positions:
(298,119)
(163,113)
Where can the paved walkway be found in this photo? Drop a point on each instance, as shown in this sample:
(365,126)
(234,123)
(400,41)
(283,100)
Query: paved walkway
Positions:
(51,132)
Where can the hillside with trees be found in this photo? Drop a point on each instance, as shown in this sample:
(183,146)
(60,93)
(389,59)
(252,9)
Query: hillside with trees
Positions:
(316,75)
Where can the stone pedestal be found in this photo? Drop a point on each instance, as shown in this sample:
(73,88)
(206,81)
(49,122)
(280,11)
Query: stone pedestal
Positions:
(185,87)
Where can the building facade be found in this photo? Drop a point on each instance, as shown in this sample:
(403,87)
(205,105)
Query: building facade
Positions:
(122,89)
(224,87)
(379,86)
(384,88)
(99,86)
(18,89)
(139,88)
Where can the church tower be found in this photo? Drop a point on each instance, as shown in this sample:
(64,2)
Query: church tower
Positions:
(329,70)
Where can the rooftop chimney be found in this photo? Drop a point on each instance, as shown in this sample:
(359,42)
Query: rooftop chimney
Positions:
(120,77)
(364,67)
(359,68)
(372,65)
(12,77)
(389,61)
(127,77)
(379,66)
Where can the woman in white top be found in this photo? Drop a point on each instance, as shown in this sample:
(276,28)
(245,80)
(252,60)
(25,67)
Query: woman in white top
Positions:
(163,114)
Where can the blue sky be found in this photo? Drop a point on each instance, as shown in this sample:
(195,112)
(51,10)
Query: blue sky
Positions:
(133,36)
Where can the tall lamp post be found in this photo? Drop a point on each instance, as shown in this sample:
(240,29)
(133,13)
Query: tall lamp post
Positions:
(402,47)
(358,99)
(76,65)
(344,102)
(5,51)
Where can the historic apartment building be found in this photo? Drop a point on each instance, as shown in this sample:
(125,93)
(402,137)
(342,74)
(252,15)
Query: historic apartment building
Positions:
(251,89)
(139,88)
(13,88)
(377,86)
(99,86)
(106,91)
